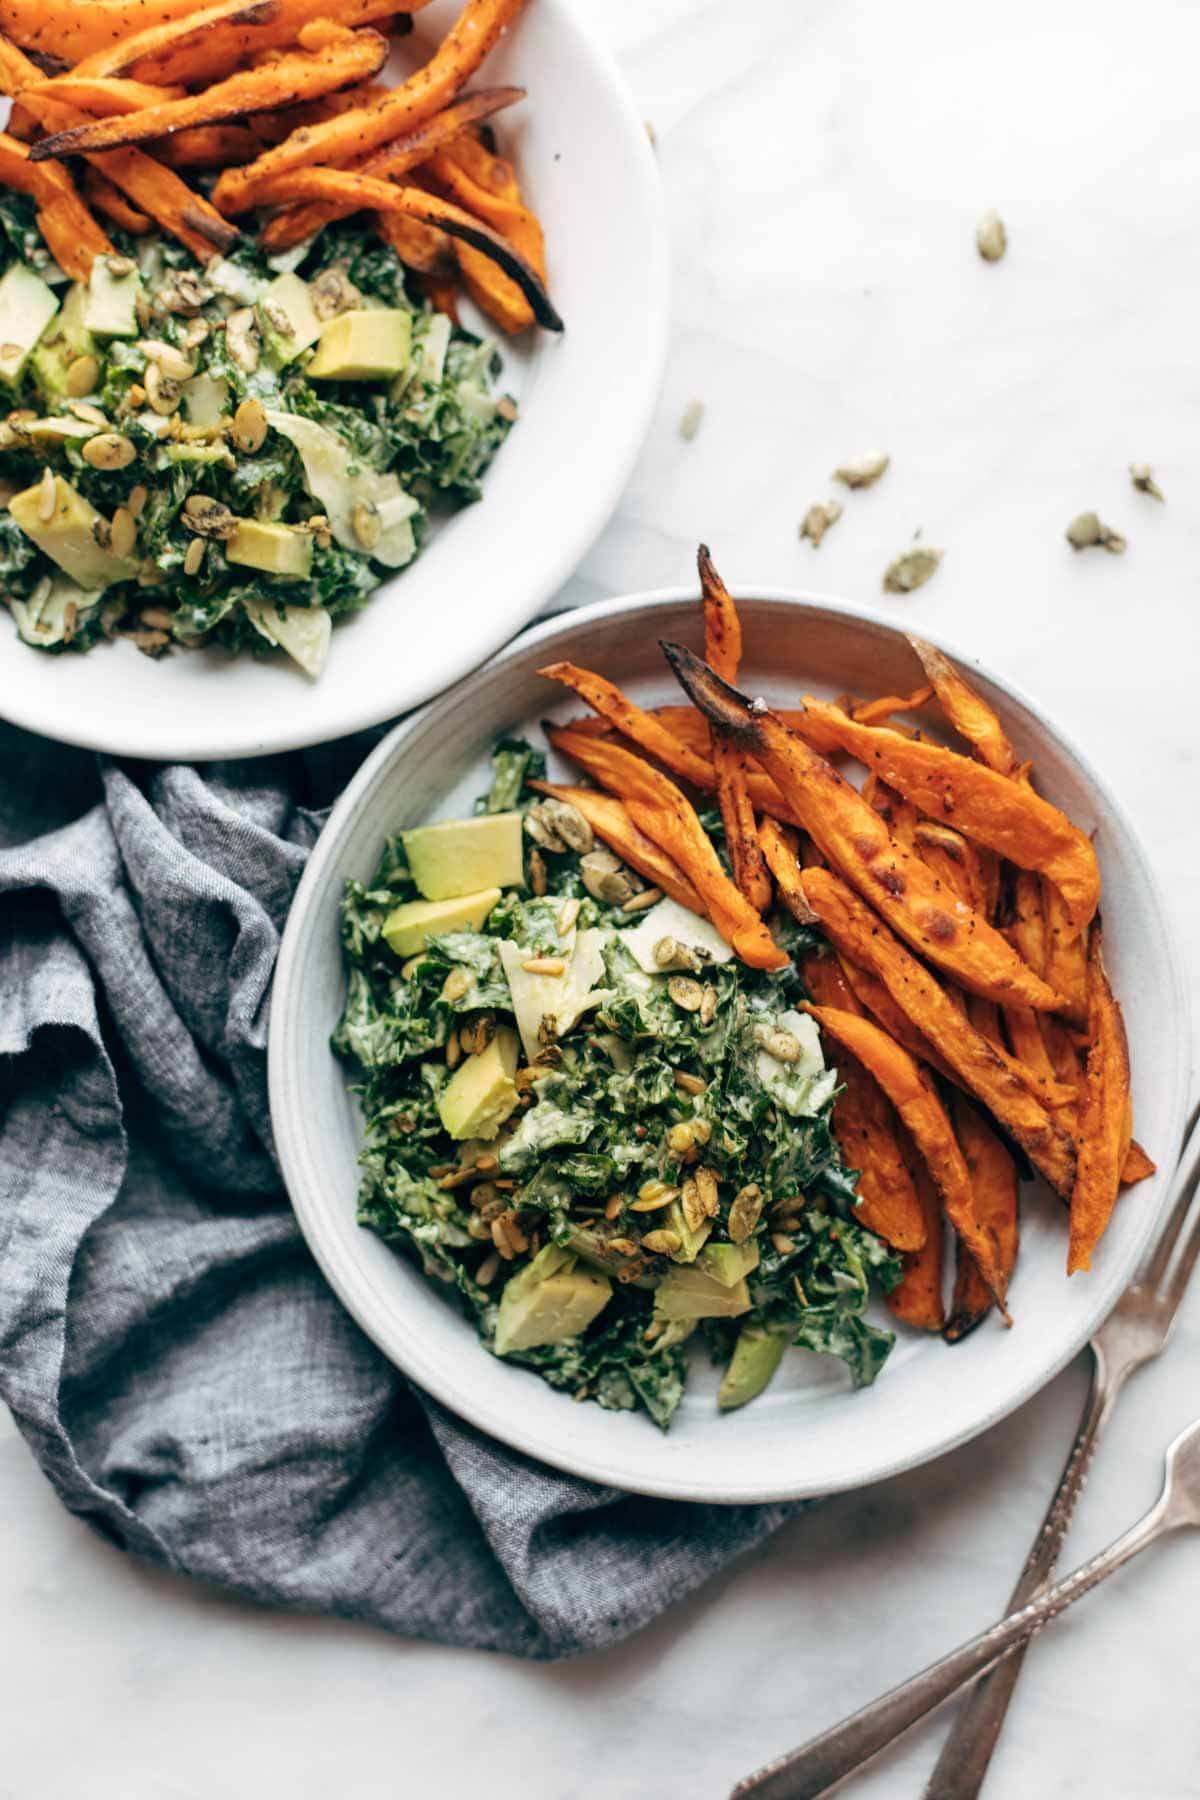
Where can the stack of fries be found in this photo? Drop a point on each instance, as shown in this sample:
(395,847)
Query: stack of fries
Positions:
(964,982)
(277,100)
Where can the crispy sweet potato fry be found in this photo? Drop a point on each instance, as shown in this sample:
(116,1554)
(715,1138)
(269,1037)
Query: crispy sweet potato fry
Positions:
(110,201)
(914,1097)
(1066,956)
(381,196)
(483,184)
(119,56)
(65,222)
(994,1181)
(296,223)
(898,814)
(1028,934)
(871,994)
(978,1066)
(956,861)
(781,853)
(917,1297)
(358,132)
(987,807)
(154,190)
(298,76)
(967,711)
(223,47)
(723,652)
(609,820)
(878,712)
(207,146)
(1104,1126)
(106,96)
(658,808)
(424,248)
(1137,1165)
(853,837)
(69,32)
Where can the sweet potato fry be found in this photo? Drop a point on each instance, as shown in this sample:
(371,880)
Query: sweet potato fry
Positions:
(71,32)
(1066,956)
(440,289)
(854,839)
(640,727)
(660,810)
(497,201)
(977,1065)
(130,47)
(955,860)
(424,248)
(898,814)
(222,47)
(917,1297)
(874,997)
(104,198)
(106,96)
(381,196)
(297,223)
(358,132)
(967,711)
(987,807)
(1104,1124)
(914,1097)
(723,652)
(878,712)
(298,76)
(207,146)
(609,820)
(154,190)
(65,222)
(994,1181)
(780,852)
(1137,1165)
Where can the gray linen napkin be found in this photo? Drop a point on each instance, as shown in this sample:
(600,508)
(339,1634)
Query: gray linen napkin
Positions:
(186,1380)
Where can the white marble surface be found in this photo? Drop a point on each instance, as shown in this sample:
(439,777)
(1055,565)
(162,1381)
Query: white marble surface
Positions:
(825,165)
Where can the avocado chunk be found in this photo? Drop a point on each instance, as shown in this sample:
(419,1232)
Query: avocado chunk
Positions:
(464,855)
(481,1094)
(278,549)
(408,928)
(205,399)
(302,631)
(63,343)
(756,1356)
(727,1263)
(361,346)
(26,308)
(289,324)
(110,309)
(68,537)
(549,1301)
(691,1243)
(688,1293)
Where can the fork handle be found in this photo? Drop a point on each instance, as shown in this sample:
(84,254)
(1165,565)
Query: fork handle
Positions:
(960,1769)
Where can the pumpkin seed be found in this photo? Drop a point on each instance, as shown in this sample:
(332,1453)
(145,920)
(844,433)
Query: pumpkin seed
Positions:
(1086,532)
(82,376)
(912,570)
(249,429)
(991,239)
(108,450)
(819,519)
(863,473)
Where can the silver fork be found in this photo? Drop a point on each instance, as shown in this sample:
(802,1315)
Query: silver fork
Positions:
(1136,1331)
(806,1773)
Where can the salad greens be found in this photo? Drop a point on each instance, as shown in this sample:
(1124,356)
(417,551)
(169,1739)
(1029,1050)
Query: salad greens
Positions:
(657,1159)
(235,455)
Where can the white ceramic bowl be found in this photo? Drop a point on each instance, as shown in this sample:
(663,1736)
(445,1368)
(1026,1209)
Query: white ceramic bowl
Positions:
(809,1433)
(586,398)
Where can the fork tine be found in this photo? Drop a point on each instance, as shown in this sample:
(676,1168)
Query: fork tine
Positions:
(1181,1272)
(1154,1271)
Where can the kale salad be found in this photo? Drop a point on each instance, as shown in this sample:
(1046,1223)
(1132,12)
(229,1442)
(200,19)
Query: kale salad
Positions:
(604,1135)
(237,454)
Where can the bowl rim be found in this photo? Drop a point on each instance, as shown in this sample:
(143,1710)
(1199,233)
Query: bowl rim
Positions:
(340,1267)
(121,732)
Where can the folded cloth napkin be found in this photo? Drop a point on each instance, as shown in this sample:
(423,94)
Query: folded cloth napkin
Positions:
(172,1355)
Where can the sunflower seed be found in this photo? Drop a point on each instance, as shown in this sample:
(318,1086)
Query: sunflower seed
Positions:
(124,531)
(537,873)
(173,363)
(648,897)
(689,1084)
(47,496)
(544,965)
(488,1269)
(193,557)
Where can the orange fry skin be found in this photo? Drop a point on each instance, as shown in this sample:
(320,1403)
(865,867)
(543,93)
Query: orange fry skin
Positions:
(209,56)
(723,652)
(854,839)
(914,1097)
(1007,816)
(66,224)
(967,711)
(1104,1123)
(916,1299)
(660,810)
(608,819)
(994,1180)
(878,712)
(1137,1166)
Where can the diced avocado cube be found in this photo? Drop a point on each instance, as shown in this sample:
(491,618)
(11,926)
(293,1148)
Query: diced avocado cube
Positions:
(691,1243)
(548,1302)
(205,399)
(688,1293)
(69,535)
(289,324)
(756,1356)
(362,346)
(277,549)
(408,928)
(113,288)
(728,1263)
(27,306)
(464,855)
(63,343)
(481,1094)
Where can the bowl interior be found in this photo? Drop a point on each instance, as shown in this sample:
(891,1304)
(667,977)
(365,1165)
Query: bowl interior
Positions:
(587,167)
(809,1433)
